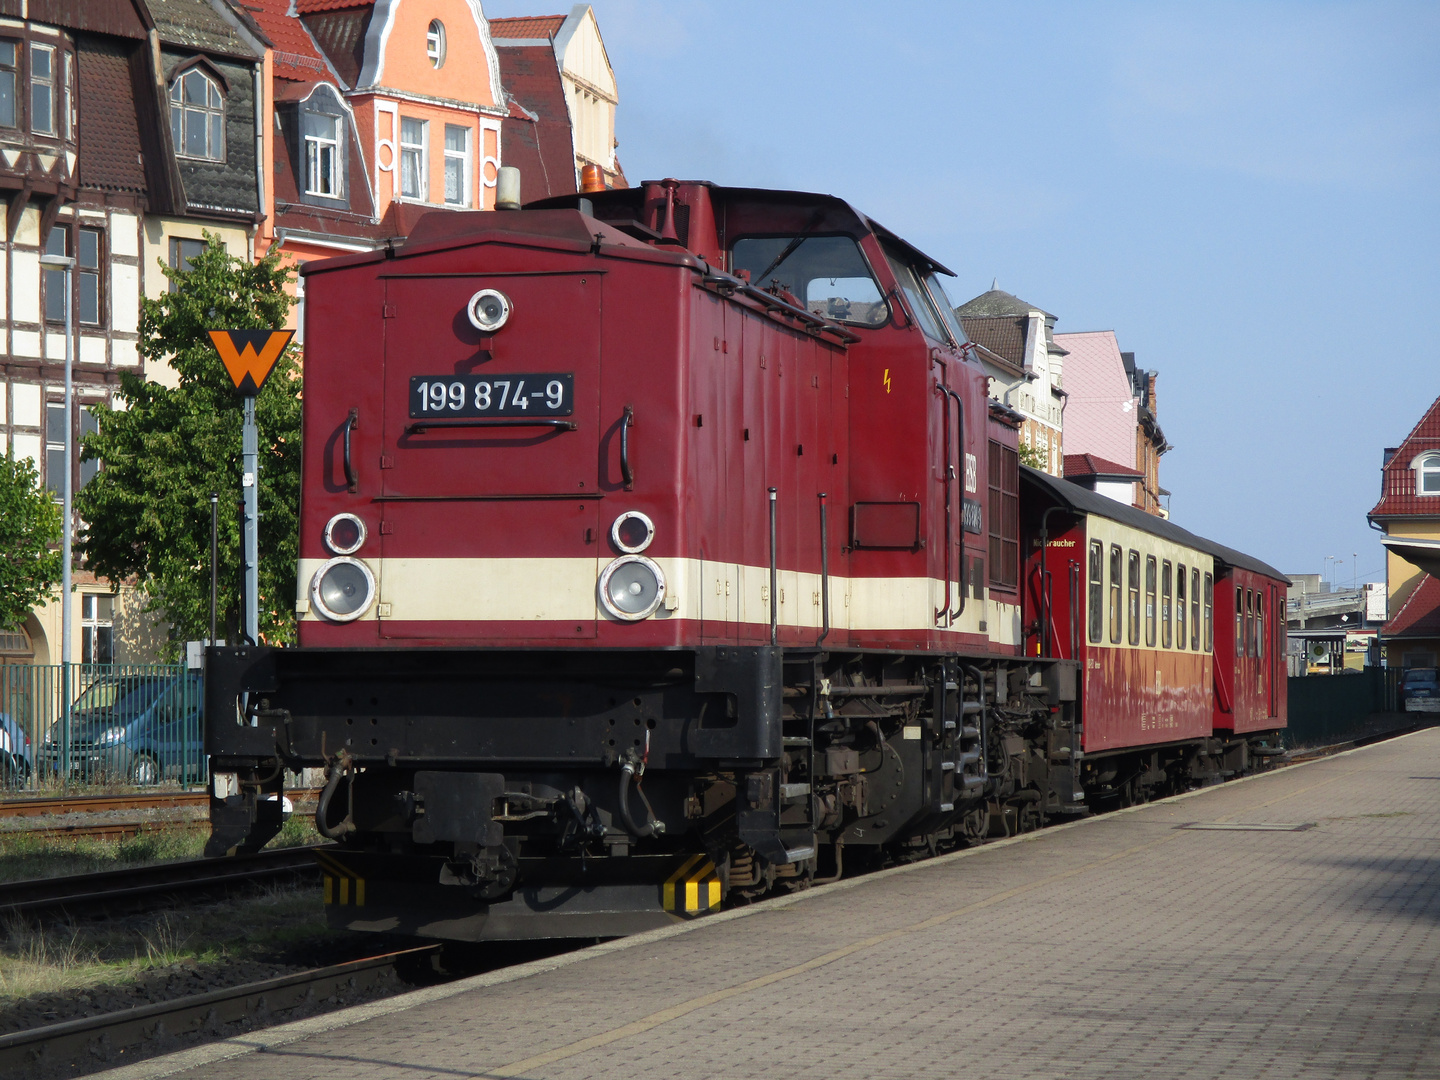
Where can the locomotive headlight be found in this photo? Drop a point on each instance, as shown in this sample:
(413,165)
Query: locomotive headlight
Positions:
(344,533)
(632,532)
(488,309)
(342,589)
(632,588)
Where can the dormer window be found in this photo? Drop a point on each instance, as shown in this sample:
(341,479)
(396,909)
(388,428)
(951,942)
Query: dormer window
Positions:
(322,155)
(1427,474)
(197,116)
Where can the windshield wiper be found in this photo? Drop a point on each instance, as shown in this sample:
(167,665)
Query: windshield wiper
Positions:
(789,249)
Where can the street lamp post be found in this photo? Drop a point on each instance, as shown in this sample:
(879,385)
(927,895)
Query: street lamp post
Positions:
(67,263)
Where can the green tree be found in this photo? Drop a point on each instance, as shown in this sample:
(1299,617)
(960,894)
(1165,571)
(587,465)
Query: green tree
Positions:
(1033,457)
(29,527)
(164,453)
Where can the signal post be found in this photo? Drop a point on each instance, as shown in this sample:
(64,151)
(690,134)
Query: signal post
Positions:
(249,357)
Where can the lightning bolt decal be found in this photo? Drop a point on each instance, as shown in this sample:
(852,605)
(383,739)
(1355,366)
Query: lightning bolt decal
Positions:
(887,380)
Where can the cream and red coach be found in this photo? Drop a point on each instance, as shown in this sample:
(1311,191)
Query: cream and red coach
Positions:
(657,546)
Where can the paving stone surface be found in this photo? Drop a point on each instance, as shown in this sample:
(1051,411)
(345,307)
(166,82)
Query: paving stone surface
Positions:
(1121,947)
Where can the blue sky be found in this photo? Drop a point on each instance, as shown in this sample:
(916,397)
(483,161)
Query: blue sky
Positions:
(1244,193)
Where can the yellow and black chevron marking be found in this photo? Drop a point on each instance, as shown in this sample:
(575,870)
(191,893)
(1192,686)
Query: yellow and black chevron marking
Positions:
(694,888)
(342,886)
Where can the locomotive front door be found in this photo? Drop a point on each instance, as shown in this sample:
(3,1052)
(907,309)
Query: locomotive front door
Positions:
(490,513)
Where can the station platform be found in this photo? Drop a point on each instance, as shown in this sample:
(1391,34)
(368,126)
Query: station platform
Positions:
(1281,926)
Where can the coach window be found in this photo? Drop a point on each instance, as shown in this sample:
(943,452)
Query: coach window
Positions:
(1116,611)
(1149,601)
(1133,580)
(1195,608)
(1097,589)
(1180,607)
(1166,578)
(1249,623)
(1239,621)
(1209,613)
(1259,626)
(828,272)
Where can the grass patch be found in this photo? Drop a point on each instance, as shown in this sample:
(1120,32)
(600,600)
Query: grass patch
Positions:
(28,855)
(70,957)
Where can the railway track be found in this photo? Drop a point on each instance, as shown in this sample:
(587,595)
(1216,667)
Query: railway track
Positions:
(116,891)
(99,804)
(132,1034)
(54,810)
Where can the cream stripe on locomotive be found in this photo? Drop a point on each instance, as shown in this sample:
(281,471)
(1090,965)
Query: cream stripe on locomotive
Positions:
(557,589)
(1112,534)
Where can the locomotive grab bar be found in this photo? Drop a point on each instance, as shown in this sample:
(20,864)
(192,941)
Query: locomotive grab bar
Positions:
(960,461)
(435,425)
(774,577)
(352,482)
(626,472)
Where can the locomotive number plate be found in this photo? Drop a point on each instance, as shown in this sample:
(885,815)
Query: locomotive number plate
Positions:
(517,393)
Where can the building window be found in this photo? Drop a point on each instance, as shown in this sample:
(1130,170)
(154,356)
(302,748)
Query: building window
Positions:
(412,158)
(181,253)
(1116,611)
(1097,589)
(1180,607)
(1004,516)
(97,628)
(16,642)
(435,43)
(457,165)
(9,83)
(42,89)
(1166,603)
(1149,601)
(1133,580)
(87,282)
(57,243)
(1427,479)
(55,447)
(322,155)
(197,116)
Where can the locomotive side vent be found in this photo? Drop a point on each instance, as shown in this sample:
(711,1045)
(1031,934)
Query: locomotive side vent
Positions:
(1239,826)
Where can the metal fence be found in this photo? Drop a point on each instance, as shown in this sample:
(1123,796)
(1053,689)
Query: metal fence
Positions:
(110,724)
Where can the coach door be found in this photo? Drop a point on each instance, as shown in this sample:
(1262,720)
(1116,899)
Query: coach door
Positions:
(490,486)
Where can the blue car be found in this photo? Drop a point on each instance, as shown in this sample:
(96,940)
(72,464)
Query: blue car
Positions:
(1420,690)
(139,729)
(17,760)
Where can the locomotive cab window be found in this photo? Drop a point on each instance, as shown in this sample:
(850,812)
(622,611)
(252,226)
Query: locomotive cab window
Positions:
(1097,589)
(1149,601)
(828,273)
(1166,593)
(1180,607)
(1115,586)
(1195,608)
(1209,613)
(1133,595)
(917,298)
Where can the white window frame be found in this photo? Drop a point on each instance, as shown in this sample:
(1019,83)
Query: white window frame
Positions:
(315,149)
(1427,465)
(49,83)
(206,110)
(422,149)
(435,43)
(92,625)
(464,157)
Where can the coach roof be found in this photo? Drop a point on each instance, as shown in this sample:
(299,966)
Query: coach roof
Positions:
(1083,500)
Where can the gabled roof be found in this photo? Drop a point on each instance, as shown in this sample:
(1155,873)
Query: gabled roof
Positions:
(999,302)
(527,27)
(307,7)
(1419,616)
(1397,479)
(196,24)
(1090,465)
(1100,417)
(1003,336)
(295,56)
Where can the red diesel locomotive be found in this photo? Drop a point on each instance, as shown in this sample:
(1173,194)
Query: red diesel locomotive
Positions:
(662,546)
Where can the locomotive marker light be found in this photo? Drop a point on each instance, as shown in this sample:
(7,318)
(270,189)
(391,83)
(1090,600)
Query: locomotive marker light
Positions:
(249,357)
(344,534)
(488,310)
(632,532)
(632,588)
(342,589)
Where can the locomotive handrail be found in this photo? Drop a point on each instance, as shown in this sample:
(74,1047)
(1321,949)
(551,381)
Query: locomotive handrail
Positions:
(959,461)
(626,472)
(431,425)
(352,482)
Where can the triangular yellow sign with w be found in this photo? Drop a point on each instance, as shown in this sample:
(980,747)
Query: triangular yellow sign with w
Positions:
(249,355)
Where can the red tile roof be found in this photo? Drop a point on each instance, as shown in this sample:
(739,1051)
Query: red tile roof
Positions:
(1397,491)
(1419,616)
(295,54)
(309,7)
(1090,465)
(527,26)
(536,135)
